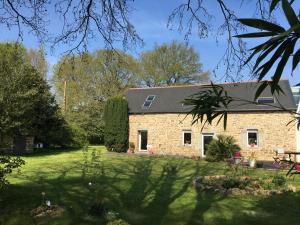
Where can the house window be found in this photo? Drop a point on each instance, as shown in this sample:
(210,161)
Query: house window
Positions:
(265,100)
(252,138)
(187,137)
(148,101)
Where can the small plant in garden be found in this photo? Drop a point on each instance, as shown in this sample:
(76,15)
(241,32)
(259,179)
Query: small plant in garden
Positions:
(231,183)
(131,148)
(279,180)
(221,148)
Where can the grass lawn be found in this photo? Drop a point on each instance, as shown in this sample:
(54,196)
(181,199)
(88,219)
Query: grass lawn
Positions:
(143,190)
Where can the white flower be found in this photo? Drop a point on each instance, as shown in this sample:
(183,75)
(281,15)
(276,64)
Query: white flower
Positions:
(90,183)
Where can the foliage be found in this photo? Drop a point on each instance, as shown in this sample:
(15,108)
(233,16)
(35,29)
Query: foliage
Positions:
(118,222)
(37,58)
(116,124)
(231,182)
(279,180)
(206,105)
(131,145)
(171,64)
(91,79)
(280,45)
(27,106)
(7,165)
(221,148)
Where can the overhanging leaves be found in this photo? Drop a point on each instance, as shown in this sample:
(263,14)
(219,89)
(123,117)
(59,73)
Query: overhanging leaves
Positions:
(262,24)
(209,104)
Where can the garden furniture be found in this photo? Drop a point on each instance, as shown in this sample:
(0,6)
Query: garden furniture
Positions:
(281,160)
(295,169)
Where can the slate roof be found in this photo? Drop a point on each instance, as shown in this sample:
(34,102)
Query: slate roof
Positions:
(169,99)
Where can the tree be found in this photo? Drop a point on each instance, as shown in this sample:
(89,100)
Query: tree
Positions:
(110,21)
(171,65)
(37,58)
(27,107)
(116,124)
(91,80)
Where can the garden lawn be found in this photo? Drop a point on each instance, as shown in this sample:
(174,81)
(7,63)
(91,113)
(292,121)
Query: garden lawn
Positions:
(143,190)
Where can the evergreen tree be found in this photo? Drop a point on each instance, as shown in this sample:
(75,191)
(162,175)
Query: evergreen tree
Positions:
(116,124)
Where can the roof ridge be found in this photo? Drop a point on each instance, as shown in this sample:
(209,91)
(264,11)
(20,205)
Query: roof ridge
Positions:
(206,84)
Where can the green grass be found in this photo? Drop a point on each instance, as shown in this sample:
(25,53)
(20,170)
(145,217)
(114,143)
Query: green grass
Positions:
(143,190)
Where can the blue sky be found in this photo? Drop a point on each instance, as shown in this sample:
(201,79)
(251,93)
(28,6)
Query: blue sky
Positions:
(150,20)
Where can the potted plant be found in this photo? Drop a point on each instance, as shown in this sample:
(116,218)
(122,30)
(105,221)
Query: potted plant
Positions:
(252,160)
(131,148)
(252,142)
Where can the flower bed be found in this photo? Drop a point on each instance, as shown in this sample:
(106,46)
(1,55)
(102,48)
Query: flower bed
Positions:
(241,185)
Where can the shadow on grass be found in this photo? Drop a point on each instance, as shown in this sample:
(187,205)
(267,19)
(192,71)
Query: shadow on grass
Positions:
(144,190)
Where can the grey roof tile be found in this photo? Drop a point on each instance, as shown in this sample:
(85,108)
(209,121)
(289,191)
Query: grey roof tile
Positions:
(169,99)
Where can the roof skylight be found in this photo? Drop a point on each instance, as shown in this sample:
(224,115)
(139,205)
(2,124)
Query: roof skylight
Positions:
(265,100)
(148,102)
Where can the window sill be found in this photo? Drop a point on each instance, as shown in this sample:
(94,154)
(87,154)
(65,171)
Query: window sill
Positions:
(187,145)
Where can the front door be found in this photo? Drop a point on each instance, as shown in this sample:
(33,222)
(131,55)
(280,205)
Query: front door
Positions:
(143,140)
(206,139)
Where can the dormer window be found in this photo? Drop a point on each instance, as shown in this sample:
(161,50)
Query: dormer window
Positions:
(148,102)
(265,100)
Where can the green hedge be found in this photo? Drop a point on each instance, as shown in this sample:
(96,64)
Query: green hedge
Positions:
(116,124)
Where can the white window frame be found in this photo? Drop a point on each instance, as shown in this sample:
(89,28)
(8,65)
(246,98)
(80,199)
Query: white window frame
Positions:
(140,140)
(202,141)
(187,132)
(257,135)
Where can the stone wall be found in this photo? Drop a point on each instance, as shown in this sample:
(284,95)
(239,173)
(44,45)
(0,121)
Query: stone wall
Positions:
(165,132)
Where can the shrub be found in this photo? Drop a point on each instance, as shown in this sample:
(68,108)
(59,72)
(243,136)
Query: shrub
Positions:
(131,145)
(7,165)
(231,183)
(279,180)
(221,148)
(116,124)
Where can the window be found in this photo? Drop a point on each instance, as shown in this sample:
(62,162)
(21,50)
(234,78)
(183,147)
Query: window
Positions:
(296,99)
(206,139)
(148,101)
(187,137)
(265,100)
(252,138)
(150,98)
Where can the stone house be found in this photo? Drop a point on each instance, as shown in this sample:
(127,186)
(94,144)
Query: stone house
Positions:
(158,121)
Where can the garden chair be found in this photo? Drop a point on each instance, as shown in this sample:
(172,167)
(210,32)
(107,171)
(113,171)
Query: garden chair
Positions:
(281,160)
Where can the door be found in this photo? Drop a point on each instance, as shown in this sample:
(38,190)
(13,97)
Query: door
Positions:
(143,140)
(206,139)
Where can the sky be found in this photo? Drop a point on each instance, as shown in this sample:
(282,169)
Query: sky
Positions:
(150,20)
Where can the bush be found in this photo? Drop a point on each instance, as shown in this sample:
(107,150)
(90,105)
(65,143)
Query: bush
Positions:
(231,183)
(7,165)
(116,124)
(279,180)
(131,145)
(221,148)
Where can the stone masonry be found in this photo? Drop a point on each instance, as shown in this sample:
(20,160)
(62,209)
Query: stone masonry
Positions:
(165,132)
